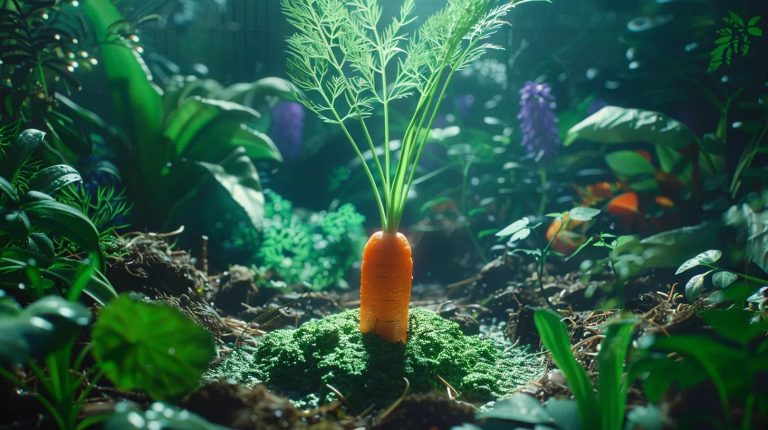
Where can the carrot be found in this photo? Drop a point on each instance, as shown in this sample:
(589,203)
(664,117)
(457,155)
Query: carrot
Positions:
(385,286)
(348,95)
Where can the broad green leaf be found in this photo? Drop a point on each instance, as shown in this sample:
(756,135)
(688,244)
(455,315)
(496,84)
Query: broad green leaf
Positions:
(515,227)
(694,285)
(519,408)
(611,385)
(634,168)
(255,93)
(564,412)
(645,418)
(38,329)
(159,416)
(613,124)
(757,236)
(583,214)
(8,189)
(18,152)
(238,177)
(53,178)
(150,347)
(724,279)
(735,324)
(706,257)
(63,220)
(224,134)
(554,336)
(187,126)
(137,101)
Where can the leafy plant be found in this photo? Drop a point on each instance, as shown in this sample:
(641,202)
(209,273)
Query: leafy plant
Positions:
(731,358)
(734,38)
(150,347)
(315,250)
(31,219)
(721,278)
(106,207)
(522,229)
(159,416)
(179,143)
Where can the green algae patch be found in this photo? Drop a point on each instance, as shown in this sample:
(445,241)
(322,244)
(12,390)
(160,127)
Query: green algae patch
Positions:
(302,363)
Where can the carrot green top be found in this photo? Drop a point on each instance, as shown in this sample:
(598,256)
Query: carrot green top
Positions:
(350,66)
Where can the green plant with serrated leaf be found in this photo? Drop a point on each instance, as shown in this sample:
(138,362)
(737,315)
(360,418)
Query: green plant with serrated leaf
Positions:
(106,207)
(32,221)
(734,38)
(315,250)
(521,229)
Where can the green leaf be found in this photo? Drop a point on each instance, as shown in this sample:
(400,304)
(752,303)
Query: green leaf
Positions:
(520,408)
(754,31)
(238,177)
(564,412)
(151,347)
(611,384)
(694,285)
(17,153)
(554,336)
(201,125)
(63,220)
(95,285)
(222,135)
(53,178)
(137,101)
(514,228)
(735,324)
(613,124)
(38,329)
(583,214)
(706,257)
(645,418)
(159,416)
(634,168)
(8,189)
(724,279)
(255,93)
(754,20)
(757,236)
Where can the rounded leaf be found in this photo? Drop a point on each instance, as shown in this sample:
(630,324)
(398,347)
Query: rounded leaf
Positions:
(706,257)
(151,347)
(583,214)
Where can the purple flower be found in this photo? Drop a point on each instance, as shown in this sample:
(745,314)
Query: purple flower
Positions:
(288,128)
(538,122)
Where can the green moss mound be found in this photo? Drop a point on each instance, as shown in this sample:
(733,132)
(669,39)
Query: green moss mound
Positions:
(301,363)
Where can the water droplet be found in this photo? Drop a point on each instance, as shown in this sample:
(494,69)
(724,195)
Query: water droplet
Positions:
(75,3)
(57,36)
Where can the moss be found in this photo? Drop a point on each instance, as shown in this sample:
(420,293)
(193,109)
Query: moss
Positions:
(299,363)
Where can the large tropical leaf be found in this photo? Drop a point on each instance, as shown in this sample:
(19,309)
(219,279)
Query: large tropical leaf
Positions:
(194,115)
(238,177)
(38,329)
(224,134)
(613,124)
(254,93)
(137,101)
(53,178)
(18,152)
(151,347)
(66,221)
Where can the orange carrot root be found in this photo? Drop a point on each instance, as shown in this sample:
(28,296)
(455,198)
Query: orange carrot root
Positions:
(385,286)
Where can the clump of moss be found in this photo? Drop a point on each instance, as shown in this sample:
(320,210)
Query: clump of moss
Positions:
(302,363)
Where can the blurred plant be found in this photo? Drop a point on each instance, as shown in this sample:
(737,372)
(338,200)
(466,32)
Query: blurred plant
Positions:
(734,38)
(177,142)
(538,122)
(31,218)
(522,229)
(610,242)
(733,358)
(317,250)
(602,409)
(287,128)
(159,415)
